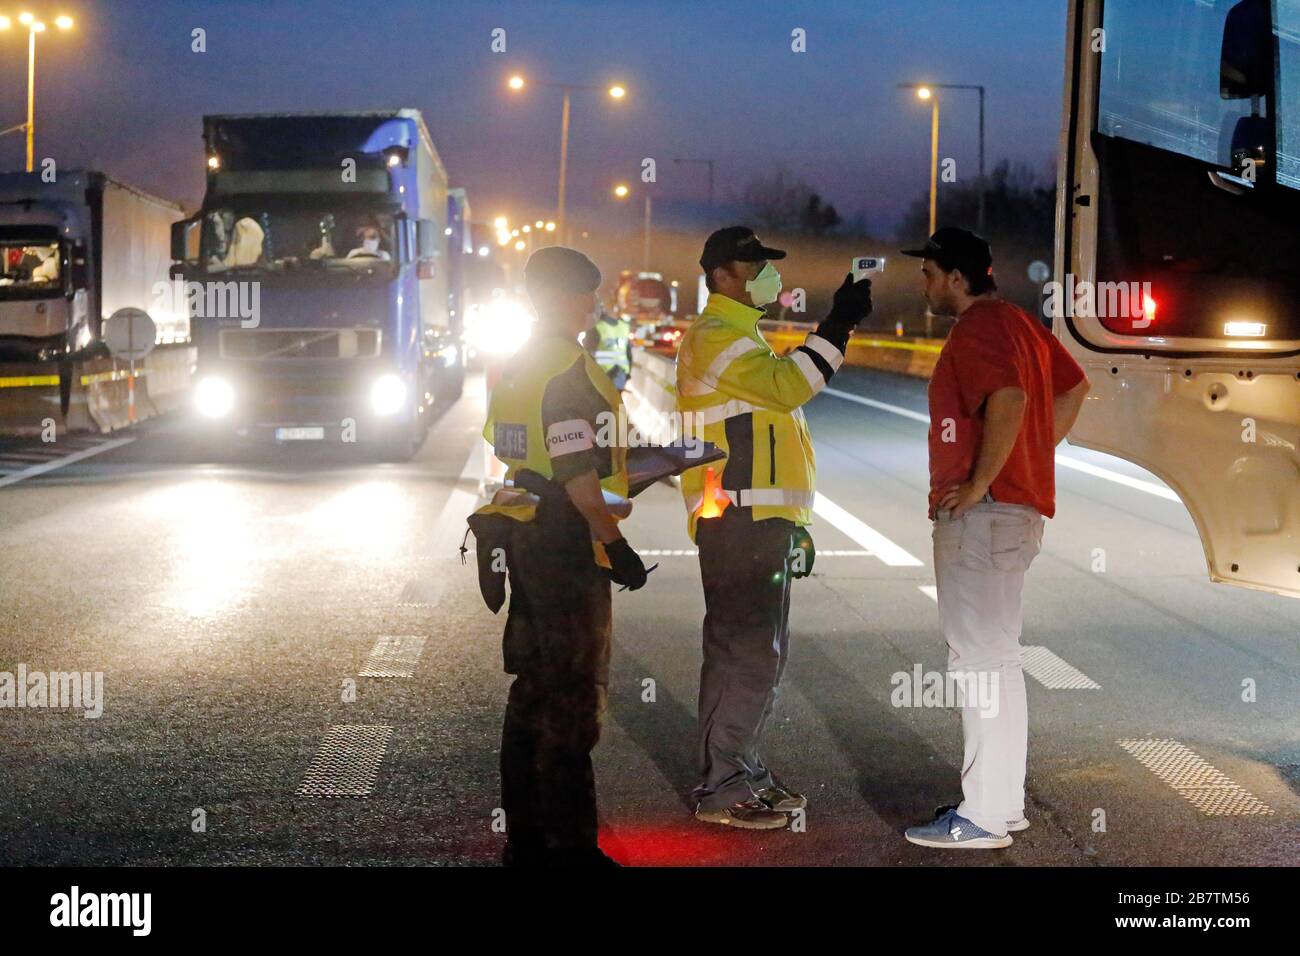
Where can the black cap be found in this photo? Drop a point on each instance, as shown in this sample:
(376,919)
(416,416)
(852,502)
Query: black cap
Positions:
(560,269)
(735,244)
(960,249)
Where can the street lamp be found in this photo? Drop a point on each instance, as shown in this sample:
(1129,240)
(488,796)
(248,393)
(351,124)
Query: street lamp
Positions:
(925,91)
(34,26)
(615,92)
(621,191)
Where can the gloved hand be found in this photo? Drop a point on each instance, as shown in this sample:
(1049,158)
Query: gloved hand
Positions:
(802,554)
(627,567)
(852,304)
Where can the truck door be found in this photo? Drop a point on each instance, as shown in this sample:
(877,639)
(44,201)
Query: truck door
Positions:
(1177,281)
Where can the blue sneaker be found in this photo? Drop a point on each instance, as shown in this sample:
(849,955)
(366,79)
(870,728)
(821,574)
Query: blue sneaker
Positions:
(1013,826)
(952,831)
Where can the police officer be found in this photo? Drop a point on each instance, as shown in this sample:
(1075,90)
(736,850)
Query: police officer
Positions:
(613,340)
(544,421)
(749,519)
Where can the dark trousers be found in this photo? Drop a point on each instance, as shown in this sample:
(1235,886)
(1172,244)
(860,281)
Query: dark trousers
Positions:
(744,565)
(557,642)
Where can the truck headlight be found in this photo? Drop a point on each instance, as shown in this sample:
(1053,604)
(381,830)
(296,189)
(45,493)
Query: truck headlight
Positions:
(388,395)
(214,397)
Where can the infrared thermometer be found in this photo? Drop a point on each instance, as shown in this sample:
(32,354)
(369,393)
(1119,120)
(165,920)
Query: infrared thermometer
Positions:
(866,266)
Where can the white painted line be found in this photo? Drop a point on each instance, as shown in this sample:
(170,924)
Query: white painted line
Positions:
(1204,787)
(1160,491)
(1053,672)
(875,542)
(930,591)
(348,761)
(65,460)
(883,406)
(394,655)
(1096,471)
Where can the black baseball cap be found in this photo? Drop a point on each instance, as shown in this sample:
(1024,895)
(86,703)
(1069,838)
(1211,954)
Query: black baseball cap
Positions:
(560,269)
(735,244)
(959,249)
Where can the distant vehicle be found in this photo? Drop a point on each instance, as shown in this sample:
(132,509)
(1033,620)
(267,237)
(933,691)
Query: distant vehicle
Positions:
(664,337)
(1177,261)
(345,227)
(73,252)
(496,329)
(645,300)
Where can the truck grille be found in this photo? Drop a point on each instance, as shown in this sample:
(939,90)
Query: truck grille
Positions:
(299,343)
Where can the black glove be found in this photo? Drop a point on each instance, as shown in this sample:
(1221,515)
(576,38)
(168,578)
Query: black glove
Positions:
(802,554)
(628,569)
(851,306)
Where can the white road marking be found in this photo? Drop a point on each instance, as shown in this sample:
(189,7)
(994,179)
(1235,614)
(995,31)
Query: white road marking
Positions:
(42,468)
(1053,672)
(871,539)
(1096,471)
(1204,787)
(394,655)
(348,761)
(930,591)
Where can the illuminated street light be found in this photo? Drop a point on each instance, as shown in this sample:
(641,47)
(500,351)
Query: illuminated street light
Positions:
(616,92)
(550,227)
(34,26)
(621,191)
(925,91)
(520,245)
(500,222)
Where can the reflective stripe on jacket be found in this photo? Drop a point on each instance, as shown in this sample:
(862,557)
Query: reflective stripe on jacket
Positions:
(746,399)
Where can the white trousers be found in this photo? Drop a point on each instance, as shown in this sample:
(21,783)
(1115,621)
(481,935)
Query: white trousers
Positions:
(980,561)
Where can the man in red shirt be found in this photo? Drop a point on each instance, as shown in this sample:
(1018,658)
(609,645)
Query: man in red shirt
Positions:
(1003,395)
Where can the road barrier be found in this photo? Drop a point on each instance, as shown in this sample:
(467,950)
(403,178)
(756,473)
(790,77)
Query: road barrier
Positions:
(29,395)
(902,354)
(650,396)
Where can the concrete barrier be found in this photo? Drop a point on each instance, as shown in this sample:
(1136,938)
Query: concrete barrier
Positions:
(907,356)
(100,399)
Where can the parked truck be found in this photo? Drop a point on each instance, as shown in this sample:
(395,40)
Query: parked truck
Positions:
(72,252)
(340,233)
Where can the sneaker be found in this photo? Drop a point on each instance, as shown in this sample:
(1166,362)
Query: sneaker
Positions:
(1013,826)
(750,815)
(953,831)
(780,798)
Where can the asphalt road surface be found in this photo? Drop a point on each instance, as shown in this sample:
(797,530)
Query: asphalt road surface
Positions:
(232,606)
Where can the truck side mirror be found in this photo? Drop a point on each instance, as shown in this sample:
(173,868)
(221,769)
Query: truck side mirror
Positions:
(184,240)
(77,266)
(1246,59)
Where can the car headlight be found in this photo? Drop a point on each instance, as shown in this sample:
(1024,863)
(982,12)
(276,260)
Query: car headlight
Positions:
(214,397)
(387,395)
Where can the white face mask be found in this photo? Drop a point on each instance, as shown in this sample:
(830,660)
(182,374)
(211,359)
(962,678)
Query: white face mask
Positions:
(370,245)
(764,288)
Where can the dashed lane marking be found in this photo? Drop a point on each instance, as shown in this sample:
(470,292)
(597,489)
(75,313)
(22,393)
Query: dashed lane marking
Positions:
(1195,780)
(1053,672)
(1096,471)
(871,539)
(394,655)
(41,468)
(348,761)
(930,591)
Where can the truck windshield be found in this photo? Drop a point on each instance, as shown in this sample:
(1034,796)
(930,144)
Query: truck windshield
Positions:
(30,270)
(280,240)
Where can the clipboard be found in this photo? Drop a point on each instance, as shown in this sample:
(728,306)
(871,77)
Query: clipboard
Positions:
(647,464)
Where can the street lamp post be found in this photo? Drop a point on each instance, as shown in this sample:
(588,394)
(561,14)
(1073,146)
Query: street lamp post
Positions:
(34,26)
(925,91)
(706,162)
(616,92)
(621,191)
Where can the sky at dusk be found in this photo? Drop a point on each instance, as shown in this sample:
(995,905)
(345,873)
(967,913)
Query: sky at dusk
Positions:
(124,93)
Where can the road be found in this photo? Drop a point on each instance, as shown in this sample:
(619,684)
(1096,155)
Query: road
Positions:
(231,606)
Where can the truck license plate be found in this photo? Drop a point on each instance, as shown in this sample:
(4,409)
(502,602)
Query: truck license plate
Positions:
(300,434)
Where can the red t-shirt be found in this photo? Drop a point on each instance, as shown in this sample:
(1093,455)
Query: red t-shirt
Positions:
(996,345)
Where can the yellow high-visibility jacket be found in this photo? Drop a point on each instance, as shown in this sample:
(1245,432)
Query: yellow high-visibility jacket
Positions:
(747,400)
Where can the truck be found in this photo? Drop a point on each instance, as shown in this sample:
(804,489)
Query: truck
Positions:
(644,300)
(324,276)
(74,250)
